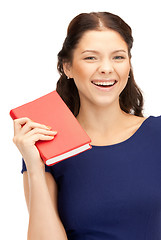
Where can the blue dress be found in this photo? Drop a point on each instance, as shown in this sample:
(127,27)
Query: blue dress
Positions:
(113,192)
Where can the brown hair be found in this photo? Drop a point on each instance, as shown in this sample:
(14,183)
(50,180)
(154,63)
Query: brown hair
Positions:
(131,98)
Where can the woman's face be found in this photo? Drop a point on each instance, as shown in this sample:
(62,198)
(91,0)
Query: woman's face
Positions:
(100,57)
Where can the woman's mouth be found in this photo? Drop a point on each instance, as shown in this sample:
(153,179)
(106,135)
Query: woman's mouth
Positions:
(104,85)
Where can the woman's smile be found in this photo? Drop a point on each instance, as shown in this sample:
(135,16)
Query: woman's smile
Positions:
(100,66)
(103,85)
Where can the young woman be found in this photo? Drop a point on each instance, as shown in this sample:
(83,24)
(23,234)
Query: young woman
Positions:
(112,191)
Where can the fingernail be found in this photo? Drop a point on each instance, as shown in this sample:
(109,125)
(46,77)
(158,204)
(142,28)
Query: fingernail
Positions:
(51,137)
(49,127)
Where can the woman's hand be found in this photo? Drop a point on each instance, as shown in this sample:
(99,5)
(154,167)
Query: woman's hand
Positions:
(26,134)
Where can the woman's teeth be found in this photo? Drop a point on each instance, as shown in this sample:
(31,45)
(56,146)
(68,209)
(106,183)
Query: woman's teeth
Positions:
(104,84)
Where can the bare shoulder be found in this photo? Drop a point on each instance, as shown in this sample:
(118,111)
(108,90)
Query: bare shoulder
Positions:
(134,122)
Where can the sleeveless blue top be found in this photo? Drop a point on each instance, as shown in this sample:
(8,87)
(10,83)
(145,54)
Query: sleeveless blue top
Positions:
(113,192)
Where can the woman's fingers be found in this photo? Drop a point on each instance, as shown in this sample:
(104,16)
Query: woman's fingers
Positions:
(32,125)
(26,134)
(28,131)
(40,131)
(40,134)
(24,125)
(36,137)
(18,123)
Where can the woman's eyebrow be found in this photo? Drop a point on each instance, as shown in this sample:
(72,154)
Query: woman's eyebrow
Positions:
(94,51)
(121,50)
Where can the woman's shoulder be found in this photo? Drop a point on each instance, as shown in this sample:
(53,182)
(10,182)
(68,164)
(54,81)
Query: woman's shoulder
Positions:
(152,123)
(156,117)
(134,122)
(140,120)
(156,121)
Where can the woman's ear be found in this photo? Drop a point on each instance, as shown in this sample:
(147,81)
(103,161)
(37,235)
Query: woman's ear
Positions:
(67,69)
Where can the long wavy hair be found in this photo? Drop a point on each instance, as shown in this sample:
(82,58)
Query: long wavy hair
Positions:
(131,98)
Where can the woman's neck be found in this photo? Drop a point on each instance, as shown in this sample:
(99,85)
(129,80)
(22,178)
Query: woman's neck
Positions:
(102,121)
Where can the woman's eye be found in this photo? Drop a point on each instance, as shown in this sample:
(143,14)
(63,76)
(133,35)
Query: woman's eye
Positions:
(119,57)
(90,58)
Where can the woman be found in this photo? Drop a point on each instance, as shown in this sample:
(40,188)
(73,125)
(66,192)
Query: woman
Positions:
(112,191)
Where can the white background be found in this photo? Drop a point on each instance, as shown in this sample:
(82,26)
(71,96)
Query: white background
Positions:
(31,35)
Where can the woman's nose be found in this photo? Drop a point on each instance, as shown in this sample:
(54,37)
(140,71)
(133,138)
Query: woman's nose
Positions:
(106,67)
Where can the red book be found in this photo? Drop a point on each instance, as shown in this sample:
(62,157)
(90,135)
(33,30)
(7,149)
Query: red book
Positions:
(51,110)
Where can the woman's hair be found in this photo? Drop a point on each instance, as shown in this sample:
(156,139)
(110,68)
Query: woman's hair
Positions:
(131,98)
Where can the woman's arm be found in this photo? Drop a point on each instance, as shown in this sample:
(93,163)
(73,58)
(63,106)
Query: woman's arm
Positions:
(41,197)
(44,221)
(52,187)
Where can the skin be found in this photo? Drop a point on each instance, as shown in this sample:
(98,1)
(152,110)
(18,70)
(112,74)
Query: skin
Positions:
(40,187)
(102,55)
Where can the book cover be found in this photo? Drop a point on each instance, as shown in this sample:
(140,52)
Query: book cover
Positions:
(51,110)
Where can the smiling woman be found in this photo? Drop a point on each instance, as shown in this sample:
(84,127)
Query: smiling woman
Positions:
(113,190)
(105,39)
(106,65)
